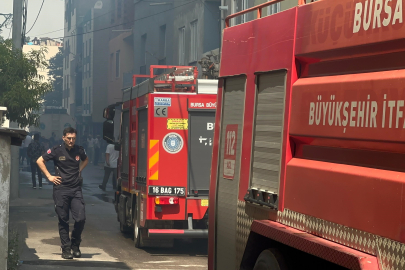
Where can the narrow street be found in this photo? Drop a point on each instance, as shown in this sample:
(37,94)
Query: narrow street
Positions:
(103,247)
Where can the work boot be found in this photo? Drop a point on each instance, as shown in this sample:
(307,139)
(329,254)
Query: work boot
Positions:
(75,249)
(101,187)
(66,253)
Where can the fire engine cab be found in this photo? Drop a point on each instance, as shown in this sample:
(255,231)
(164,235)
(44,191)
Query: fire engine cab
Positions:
(165,144)
(309,154)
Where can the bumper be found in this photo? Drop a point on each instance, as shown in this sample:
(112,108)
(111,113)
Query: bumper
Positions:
(169,233)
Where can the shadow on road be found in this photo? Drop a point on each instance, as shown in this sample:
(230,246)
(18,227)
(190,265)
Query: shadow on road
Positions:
(78,263)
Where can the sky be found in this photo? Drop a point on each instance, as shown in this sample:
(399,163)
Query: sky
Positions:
(50,19)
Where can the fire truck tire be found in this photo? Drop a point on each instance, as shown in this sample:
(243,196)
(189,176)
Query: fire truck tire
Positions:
(270,259)
(137,235)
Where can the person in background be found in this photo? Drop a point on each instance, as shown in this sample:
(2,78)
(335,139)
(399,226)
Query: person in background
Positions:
(110,166)
(34,151)
(90,148)
(26,142)
(96,149)
(52,140)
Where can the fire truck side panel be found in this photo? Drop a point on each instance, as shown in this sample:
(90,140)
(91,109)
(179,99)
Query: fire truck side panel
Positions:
(172,171)
(326,29)
(133,141)
(213,179)
(125,140)
(273,37)
(142,143)
(355,207)
(201,126)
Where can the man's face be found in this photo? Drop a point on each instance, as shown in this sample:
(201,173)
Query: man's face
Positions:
(69,139)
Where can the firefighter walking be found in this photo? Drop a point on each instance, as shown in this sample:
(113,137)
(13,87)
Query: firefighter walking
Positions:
(69,160)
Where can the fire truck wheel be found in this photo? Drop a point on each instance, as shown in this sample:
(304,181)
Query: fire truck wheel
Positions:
(270,259)
(137,233)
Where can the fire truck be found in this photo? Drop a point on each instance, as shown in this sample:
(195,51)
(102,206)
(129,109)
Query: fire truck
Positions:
(165,144)
(308,158)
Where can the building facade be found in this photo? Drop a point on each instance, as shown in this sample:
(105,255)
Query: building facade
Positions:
(121,48)
(86,63)
(174,32)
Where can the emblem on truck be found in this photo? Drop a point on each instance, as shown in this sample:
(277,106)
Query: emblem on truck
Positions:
(173,143)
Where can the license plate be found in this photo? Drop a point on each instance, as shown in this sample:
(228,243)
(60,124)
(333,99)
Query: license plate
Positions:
(204,202)
(160,190)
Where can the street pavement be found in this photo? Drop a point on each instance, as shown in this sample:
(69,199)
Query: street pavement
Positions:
(103,247)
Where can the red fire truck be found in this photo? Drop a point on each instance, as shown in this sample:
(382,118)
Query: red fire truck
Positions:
(308,158)
(167,125)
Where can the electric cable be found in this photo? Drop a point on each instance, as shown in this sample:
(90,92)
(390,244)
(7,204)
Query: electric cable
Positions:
(39,12)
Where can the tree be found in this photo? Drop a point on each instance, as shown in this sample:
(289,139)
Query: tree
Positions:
(21,88)
(54,98)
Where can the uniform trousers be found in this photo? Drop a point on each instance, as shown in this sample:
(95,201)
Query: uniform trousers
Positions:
(65,200)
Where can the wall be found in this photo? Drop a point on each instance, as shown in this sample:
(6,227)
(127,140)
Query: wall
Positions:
(100,63)
(125,46)
(4,197)
(146,23)
(52,51)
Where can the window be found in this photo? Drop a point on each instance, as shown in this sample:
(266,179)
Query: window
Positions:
(182,45)
(89,99)
(117,64)
(234,9)
(272,9)
(113,11)
(111,66)
(119,8)
(194,41)
(143,50)
(245,5)
(162,41)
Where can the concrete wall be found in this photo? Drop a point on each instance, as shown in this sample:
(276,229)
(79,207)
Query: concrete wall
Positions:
(174,14)
(52,51)
(100,63)
(5,165)
(148,20)
(115,84)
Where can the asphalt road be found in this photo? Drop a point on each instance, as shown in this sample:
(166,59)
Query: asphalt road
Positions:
(103,247)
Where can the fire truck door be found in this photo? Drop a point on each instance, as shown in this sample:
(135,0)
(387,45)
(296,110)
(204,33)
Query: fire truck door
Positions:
(142,143)
(228,171)
(201,132)
(125,145)
(268,135)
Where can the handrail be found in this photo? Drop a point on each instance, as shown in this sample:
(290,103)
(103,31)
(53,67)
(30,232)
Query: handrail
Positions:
(259,8)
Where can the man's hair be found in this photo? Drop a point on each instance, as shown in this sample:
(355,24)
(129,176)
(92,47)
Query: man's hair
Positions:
(69,130)
(36,137)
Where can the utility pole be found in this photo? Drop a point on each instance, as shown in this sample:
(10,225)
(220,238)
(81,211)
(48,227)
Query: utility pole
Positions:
(10,190)
(17,45)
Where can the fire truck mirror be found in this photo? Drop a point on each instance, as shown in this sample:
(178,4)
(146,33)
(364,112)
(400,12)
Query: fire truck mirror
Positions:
(108,131)
(109,113)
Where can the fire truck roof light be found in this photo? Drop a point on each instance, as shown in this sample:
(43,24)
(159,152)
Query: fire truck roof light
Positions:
(162,200)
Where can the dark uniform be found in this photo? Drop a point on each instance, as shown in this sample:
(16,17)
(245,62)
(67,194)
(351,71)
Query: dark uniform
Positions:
(68,195)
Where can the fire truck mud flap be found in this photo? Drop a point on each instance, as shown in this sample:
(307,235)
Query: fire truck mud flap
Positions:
(317,246)
(169,233)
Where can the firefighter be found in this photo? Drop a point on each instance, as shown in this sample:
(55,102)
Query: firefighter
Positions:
(67,189)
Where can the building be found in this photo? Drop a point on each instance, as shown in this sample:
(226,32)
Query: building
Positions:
(52,50)
(174,32)
(86,63)
(121,48)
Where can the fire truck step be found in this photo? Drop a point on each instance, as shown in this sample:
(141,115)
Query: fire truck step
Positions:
(168,233)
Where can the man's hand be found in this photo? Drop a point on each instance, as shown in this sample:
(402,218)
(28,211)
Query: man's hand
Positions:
(55,179)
